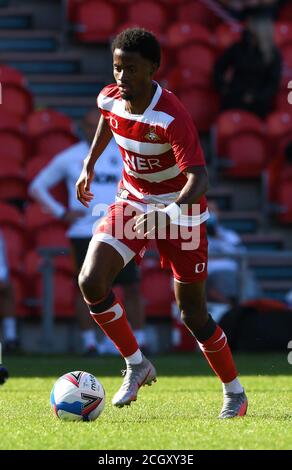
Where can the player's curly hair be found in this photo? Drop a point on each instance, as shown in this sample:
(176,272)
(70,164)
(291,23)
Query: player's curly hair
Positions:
(139,40)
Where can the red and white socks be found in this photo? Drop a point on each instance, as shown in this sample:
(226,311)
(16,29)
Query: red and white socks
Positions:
(213,344)
(110,315)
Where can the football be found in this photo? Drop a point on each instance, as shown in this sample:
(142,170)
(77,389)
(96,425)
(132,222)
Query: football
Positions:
(77,396)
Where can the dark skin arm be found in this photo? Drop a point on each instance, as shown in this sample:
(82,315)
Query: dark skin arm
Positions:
(101,139)
(195,187)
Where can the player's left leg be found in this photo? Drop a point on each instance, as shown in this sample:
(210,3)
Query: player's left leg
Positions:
(213,343)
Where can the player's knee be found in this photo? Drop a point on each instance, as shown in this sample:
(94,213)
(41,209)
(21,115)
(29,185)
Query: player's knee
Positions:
(93,287)
(194,318)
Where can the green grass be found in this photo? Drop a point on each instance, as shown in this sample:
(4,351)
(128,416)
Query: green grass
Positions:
(178,412)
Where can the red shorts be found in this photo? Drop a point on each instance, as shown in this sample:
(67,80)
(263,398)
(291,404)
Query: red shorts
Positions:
(184,250)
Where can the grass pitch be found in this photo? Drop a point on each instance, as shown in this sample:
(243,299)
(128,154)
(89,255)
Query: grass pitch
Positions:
(178,412)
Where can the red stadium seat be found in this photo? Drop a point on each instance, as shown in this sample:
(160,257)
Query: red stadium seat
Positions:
(241,143)
(225,36)
(16,100)
(247,155)
(203,106)
(15,243)
(286,12)
(43,228)
(281,103)
(279,130)
(181,78)
(9,75)
(287,60)
(12,181)
(183,33)
(234,122)
(157,293)
(35,165)
(11,225)
(197,56)
(197,12)
(10,121)
(63,281)
(20,292)
(95,21)
(9,215)
(148,14)
(54,142)
(13,145)
(285,195)
(47,120)
(283,33)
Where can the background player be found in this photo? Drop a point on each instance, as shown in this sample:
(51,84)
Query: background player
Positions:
(163,163)
(66,167)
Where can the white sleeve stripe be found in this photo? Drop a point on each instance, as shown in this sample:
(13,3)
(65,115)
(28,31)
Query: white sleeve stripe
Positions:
(150,116)
(157,177)
(142,148)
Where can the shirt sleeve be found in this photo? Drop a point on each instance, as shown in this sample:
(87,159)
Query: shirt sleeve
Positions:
(183,138)
(51,175)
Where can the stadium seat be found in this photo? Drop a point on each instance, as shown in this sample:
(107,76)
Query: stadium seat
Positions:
(64,287)
(198,56)
(184,32)
(13,145)
(47,120)
(16,100)
(234,122)
(11,224)
(285,13)
(287,60)
(53,142)
(225,36)
(95,21)
(20,292)
(11,76)
(15,243)
(203,106)
(43,228)
(181,78)
(10,215)
(148,14)
(156,292)
(35,165)
(279,130)
(197,12)
(241,144)
(283,33)
(10,121)
(246,155)
(12,181)
(285,195)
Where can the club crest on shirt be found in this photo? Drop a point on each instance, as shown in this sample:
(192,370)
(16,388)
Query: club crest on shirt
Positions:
(151,135)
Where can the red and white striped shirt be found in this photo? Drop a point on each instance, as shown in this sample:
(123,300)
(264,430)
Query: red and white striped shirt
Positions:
(156,146)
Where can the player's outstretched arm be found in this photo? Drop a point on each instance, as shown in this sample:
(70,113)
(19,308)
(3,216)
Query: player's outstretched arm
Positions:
(101,139)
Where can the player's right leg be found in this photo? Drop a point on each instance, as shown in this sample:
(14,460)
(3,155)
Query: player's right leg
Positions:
(103,261)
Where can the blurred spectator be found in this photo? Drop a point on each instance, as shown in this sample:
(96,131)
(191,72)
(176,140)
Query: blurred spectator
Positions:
(275,171)
(223,284)
(248,73)
(67,166)
(7,304)
(240,8)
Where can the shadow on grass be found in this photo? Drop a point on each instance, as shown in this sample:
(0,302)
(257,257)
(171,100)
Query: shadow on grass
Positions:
(191,364)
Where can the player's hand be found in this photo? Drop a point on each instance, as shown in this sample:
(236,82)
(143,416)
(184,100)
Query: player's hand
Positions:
(150,223)
(83,193)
